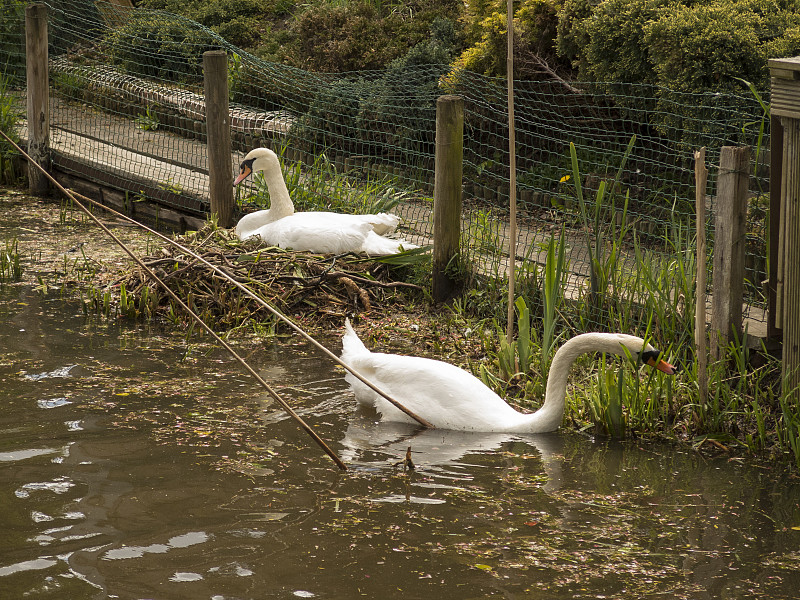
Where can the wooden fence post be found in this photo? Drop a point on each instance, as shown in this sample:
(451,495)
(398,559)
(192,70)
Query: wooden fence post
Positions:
(220,170)
(38,104)
(447,192)
(730,222)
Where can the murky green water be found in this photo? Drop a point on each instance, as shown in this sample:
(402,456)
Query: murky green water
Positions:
(131,468)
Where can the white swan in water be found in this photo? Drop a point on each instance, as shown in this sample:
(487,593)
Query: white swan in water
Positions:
(450,398)
(320,232)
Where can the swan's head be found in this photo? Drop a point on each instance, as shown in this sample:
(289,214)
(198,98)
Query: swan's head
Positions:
(645,353)
(260,159)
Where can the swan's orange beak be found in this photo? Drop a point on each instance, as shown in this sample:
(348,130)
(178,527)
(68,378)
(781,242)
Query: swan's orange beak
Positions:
(662,366)
(244,172)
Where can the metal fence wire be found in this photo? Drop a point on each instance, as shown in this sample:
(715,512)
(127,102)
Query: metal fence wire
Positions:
(129,81)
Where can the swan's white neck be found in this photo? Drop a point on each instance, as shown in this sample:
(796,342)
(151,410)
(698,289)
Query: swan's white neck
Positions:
(280,202)
(549,416)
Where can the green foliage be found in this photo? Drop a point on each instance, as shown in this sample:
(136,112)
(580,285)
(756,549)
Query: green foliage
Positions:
(10,265)
(10,116)
(362,35)
(394,113)
(71,85)
(240,22)
(681,45)
(608,43)
(332,119)
(535,30)
(147,121)
(708,45)
(158,45)
(12,40)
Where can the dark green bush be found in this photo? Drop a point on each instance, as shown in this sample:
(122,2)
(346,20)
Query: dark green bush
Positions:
(362,35)
(332,119)
(681,45)
(243,23)
(156,44)
(707,46)
(535,30)
(12,41)
(399,116)
(390,116)
(606,42)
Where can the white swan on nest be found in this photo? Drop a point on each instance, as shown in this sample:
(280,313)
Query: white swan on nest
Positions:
(320,232)
(450,398)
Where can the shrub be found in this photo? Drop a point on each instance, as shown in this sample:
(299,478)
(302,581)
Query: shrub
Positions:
(681,45)
(10,116)
(535,30)
(709,46)
(12,40)
(331,120)
(392,115)
(243,23)
(362,35)
(607,42)
(156,44)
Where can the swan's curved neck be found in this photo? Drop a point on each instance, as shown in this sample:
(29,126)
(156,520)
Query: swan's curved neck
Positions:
(549,416)
(280,203)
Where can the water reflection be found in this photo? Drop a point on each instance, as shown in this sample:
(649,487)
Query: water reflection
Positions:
(372,444)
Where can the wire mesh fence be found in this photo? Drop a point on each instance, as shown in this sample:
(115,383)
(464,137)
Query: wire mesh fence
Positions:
(129,82)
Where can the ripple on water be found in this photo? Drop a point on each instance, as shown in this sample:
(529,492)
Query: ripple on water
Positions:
(37,564)
(59,485)
(179,541)
(17,455)
(55,373)
(184,577)
(52,403)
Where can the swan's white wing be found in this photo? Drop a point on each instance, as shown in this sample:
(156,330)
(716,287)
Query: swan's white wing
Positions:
(381,223)
(443,394)
(313,232)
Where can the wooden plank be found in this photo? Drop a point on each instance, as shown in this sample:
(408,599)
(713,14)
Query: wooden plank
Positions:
(447,192)
(215,79)
(730,222)
(791,251)
(776,175)
(38,103)
(700,335)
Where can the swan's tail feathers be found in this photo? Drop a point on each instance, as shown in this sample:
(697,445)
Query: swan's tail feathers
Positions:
(378,245)
(352,346)
(383,223)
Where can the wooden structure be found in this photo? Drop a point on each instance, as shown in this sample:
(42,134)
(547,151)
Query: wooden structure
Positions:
(730,224)
(220,178)
(447,192)
(785,101)
(38,104)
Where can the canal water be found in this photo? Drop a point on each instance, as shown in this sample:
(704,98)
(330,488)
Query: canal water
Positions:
(135,464)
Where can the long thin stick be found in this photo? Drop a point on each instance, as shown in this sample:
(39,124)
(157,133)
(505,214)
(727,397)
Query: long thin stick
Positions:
(700,339)
(188,310)
(263,303)
(512,176)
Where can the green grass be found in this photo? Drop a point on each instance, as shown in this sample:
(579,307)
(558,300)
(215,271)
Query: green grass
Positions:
(643,287)
(10,115)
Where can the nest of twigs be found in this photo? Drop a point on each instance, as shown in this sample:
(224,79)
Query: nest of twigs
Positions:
(318,289)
